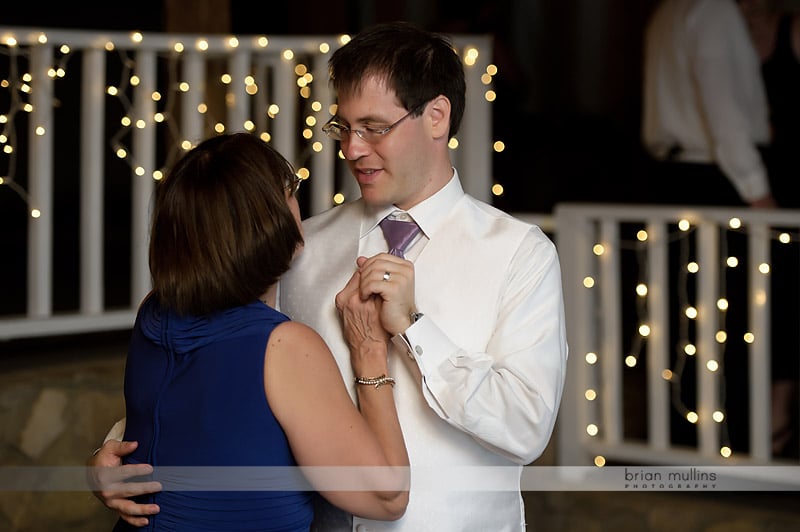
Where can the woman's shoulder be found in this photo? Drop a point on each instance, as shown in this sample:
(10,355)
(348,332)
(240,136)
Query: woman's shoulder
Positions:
(295,338)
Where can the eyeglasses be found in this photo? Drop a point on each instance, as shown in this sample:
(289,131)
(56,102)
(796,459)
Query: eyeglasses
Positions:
(337,130)
(292,185)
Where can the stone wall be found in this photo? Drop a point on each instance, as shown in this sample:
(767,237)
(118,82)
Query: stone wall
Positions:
(58,397)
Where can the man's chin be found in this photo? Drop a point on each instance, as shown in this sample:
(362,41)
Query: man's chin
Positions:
(374,199)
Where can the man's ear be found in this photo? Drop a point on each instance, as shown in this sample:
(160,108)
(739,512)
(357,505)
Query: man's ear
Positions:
(439,109)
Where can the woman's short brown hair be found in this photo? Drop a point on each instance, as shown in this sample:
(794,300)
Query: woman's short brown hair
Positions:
(222,231)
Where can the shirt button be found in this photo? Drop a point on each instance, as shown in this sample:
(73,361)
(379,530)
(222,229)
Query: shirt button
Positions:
(418,350)
(362,528)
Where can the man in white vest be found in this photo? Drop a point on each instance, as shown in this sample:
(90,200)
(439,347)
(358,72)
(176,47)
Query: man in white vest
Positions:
(473,297)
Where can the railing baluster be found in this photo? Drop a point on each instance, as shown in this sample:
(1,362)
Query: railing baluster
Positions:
(238,103)
(194,73)
(708,350)
(575,243)
(144,157)
(40,189)
(759,351)
(611,356)
(92,185)
(322,192)
(285,122)
(658,392)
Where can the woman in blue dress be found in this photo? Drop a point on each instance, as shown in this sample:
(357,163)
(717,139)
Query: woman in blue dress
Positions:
(225,395)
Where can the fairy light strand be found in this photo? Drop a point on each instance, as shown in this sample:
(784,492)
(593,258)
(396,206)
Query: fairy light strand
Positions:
(119,140)
(685,347)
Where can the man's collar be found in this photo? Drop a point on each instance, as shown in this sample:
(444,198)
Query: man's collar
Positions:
(429,213)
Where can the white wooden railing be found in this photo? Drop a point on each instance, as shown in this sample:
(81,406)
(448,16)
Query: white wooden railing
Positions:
(591,245)
(164,90)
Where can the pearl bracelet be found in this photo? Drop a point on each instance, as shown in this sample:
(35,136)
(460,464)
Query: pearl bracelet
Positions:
(376,381)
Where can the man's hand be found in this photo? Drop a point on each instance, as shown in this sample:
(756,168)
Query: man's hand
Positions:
(767,202)
(391,278)
(107,479)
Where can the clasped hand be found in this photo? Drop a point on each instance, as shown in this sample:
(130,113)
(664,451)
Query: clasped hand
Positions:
(392,279)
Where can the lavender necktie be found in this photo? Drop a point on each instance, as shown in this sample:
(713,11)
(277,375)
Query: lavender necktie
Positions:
(399,234)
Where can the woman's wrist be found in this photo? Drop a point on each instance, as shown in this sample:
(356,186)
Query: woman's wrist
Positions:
(376,381)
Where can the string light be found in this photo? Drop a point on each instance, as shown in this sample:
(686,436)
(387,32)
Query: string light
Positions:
(686,347)
(20,86)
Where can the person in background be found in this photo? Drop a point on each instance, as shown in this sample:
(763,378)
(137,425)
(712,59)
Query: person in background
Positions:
(775,29)
(471,297)
(705,112)
(711,123)
(217,377)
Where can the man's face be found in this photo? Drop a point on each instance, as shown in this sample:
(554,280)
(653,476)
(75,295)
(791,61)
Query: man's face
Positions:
(392,168)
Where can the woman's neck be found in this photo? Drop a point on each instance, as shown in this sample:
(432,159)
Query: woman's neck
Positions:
(269,297)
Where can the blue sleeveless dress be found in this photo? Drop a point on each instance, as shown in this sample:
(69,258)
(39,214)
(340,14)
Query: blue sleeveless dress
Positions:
(195,402)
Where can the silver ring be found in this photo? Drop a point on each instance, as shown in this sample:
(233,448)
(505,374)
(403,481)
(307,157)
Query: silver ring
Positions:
(386,276)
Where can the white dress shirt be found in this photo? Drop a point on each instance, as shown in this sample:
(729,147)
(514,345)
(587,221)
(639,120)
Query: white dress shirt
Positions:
(489,356)
(703,91)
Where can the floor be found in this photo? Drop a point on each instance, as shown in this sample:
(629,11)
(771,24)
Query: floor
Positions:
(547,511)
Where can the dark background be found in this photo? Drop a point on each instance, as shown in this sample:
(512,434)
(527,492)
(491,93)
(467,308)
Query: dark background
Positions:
(569,82)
